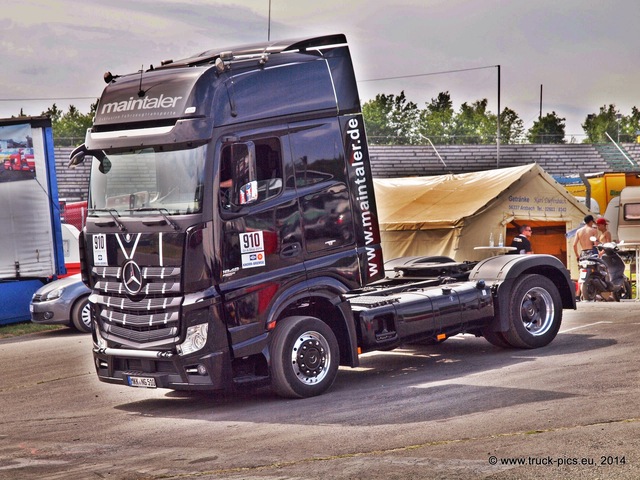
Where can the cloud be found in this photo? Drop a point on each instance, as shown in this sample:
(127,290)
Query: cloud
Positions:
(582,51)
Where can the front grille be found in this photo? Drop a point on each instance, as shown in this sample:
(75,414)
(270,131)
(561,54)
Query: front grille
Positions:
(128,319)
(150,316)
(162,288)
(145,335)
(149,304)
(146,366)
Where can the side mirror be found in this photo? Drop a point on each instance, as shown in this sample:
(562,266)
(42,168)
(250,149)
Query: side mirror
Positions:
(77,156)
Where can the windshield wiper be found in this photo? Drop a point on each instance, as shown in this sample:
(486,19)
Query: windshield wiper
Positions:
(115,215)
(162,211)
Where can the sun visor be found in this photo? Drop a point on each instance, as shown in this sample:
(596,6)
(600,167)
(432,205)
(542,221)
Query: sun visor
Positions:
(153,96)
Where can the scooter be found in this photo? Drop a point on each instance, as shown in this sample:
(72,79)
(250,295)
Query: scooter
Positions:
(602,275)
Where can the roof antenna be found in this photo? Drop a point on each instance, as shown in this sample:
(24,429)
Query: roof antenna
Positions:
(141,92)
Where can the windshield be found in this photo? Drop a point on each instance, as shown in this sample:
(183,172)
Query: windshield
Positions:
(145,180)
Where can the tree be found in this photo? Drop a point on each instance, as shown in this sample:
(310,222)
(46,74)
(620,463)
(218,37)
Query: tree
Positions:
(53,112)
(69,128)
(597,126)
(391,120)
(511,127)
(436,120)
(631,126)
(474,124)
(547,129)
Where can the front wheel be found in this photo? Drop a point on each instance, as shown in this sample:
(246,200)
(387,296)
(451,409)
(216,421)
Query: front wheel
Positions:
(304,357)
(535,312)
(81,315)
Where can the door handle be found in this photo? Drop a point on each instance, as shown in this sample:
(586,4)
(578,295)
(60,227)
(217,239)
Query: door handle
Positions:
(291,250)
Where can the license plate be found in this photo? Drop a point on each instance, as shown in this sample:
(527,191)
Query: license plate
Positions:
(31,308)
(143,382)
(583,274)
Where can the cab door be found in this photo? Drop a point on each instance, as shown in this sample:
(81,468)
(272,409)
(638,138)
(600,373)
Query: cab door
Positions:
(325,200)
(261,241)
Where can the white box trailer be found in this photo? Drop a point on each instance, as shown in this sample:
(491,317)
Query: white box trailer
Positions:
(31,246)
(629,215)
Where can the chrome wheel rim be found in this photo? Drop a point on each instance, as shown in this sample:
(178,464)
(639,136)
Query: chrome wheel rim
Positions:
(85,315)
(310,358)
(537,311)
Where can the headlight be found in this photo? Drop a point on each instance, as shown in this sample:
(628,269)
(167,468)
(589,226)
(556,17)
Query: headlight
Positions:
(195,340)
(53,294)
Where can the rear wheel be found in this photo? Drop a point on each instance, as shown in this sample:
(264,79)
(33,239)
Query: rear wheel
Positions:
(81,315)
(304,357)
(495,338)
(624,293)
(588,291)
(535,312)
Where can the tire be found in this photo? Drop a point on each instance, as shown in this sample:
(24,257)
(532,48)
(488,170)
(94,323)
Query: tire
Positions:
(294,376)
(81,315)
(495,338)
(535,312)
(624,293)
(588,291)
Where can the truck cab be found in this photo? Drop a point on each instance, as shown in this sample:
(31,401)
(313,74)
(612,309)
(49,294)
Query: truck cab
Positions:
(228,191)
(232,234)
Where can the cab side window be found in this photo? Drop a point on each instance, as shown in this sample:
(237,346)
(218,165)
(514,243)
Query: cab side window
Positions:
(321,174)
(250,172)
(268,168)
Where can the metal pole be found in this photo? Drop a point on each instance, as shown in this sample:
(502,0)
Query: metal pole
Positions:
(619,149)
(269,27)
(498,136)
(540,114)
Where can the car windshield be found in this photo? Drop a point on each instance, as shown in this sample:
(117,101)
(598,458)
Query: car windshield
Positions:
(146,180)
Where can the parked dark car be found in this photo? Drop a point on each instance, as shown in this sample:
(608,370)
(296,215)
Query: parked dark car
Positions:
(63,302)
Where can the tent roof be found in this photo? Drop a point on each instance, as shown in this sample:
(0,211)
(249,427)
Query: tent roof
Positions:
(417,203)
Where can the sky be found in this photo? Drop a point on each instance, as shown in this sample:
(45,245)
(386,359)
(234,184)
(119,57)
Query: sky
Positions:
(573,56)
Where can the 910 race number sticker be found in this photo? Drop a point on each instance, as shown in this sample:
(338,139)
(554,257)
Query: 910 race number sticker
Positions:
(251,242)
(252,249)
(100,250)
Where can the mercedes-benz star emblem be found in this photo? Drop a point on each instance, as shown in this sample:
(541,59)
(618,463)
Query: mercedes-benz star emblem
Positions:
(132,277)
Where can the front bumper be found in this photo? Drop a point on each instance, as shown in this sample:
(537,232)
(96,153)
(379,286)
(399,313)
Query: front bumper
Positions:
(201,371)
(43,313)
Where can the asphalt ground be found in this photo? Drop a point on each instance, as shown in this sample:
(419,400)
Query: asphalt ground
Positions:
(461,409)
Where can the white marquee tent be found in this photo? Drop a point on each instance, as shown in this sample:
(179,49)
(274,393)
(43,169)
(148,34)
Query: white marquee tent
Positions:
(451,214)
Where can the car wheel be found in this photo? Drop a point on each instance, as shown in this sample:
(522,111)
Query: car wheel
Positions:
(81,315)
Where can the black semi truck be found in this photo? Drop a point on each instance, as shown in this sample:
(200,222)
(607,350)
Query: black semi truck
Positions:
(232,236)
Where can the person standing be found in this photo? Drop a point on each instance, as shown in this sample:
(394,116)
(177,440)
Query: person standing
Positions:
(582,240)
(604,235)
(521,241)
